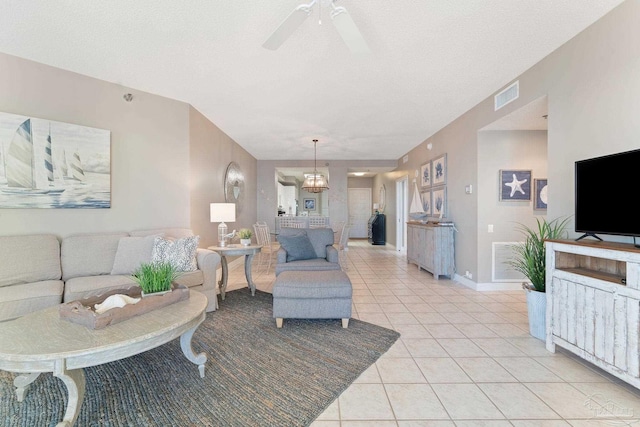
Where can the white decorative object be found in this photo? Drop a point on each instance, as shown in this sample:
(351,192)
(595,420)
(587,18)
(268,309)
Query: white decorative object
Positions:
(245,242)
(222,212)
(537,308)
(115,301)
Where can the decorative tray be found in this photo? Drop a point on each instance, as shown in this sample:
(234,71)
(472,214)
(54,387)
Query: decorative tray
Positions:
(83,311)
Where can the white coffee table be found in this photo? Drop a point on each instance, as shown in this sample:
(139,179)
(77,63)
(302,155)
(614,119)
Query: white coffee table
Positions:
(42,342)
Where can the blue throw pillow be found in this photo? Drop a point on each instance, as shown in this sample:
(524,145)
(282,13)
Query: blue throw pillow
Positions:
(297,246)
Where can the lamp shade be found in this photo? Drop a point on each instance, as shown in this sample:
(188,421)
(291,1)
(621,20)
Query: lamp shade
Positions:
(222,212)
(315,183)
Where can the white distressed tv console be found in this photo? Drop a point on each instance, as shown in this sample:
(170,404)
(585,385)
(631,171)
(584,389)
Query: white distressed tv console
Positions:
(593,303)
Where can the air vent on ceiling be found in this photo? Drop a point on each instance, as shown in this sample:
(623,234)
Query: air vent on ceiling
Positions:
(507,95)
(501,271)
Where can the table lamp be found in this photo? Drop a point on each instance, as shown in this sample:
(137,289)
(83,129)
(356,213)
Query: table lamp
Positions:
(221,212)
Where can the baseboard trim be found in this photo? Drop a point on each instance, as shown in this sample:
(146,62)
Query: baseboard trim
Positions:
(485,287)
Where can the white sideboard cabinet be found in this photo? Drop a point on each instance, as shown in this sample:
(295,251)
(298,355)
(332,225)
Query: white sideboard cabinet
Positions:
(593,303)
(430,247)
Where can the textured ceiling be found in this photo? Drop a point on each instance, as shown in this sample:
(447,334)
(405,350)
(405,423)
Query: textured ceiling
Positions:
(431,61)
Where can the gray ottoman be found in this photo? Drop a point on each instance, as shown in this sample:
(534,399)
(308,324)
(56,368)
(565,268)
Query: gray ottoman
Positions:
(312,295)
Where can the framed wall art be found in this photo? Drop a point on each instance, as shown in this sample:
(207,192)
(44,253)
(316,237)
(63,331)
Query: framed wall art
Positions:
(425,175)
(515,185)
(439,170)
(49,164)
(540,188)
(438,201)
(309,204)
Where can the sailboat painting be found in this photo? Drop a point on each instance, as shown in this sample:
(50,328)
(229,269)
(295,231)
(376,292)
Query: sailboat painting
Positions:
(49,164)
(420,207)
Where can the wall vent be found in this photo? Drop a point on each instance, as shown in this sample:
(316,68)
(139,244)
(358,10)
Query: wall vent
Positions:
(501,271)
(507,95)
(405,159)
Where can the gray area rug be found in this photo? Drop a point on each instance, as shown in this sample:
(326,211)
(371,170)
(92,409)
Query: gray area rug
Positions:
(256,375)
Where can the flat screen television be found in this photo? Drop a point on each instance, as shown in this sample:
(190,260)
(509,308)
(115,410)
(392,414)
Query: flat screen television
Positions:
(606,190)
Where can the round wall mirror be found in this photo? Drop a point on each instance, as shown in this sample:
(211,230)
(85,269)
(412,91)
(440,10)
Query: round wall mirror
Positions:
(234,185)
(383,198)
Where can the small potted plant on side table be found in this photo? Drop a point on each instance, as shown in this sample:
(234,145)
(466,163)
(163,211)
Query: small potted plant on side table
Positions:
(155,278)
(245,236)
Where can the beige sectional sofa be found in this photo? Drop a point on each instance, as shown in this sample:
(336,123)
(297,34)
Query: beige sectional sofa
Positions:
(38,271)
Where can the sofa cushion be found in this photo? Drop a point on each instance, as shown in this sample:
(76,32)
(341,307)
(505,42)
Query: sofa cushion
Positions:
(88,286)
(32,258)
(180,253)
(298,247)
(89,254)
(25,298)
(190,278)
(131,253)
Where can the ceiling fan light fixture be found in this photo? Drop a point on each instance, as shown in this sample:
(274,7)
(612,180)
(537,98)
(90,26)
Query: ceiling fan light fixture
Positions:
(349,31)
(341,19)
(288,26)
(315,182)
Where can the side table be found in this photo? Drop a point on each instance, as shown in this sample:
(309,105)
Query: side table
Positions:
(236,250)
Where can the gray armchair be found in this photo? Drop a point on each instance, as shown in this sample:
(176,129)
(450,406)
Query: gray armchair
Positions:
(306,249)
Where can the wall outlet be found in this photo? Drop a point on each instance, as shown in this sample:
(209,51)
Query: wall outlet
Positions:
(490,228)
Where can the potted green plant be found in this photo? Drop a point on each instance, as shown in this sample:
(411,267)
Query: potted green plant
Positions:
(245,236)
(529,258)
(155,278)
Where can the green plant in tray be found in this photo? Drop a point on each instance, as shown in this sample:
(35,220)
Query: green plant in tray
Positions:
(155,277)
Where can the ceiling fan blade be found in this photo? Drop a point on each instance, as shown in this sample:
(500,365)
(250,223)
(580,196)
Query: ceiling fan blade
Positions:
(349,31)
(288,26)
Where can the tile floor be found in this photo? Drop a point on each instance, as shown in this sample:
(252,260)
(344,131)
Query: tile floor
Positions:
(465,358)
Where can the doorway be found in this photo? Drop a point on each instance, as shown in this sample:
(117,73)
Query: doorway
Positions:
(359,206)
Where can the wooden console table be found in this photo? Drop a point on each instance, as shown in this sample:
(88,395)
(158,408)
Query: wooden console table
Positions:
(43,342)
(236,250)
(430,247)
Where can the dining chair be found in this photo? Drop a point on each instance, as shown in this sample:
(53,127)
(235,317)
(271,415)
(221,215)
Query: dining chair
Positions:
(337,231)
(343,246)
(317,221)
(290,222)
(263,238)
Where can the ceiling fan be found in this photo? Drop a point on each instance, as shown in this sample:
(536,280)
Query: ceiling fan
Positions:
(341,20)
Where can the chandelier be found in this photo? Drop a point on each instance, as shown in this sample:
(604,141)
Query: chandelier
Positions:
(315,182)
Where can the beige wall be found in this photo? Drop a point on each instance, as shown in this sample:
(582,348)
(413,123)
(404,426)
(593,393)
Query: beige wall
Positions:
(593,99)
(149,149)
(526,150)
(211,152)
(167,160)
(359,182)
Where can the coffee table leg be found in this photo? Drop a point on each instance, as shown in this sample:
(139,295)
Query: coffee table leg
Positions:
(247,273)
(185,344)
(21,382)
(75,383)
(222,284)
